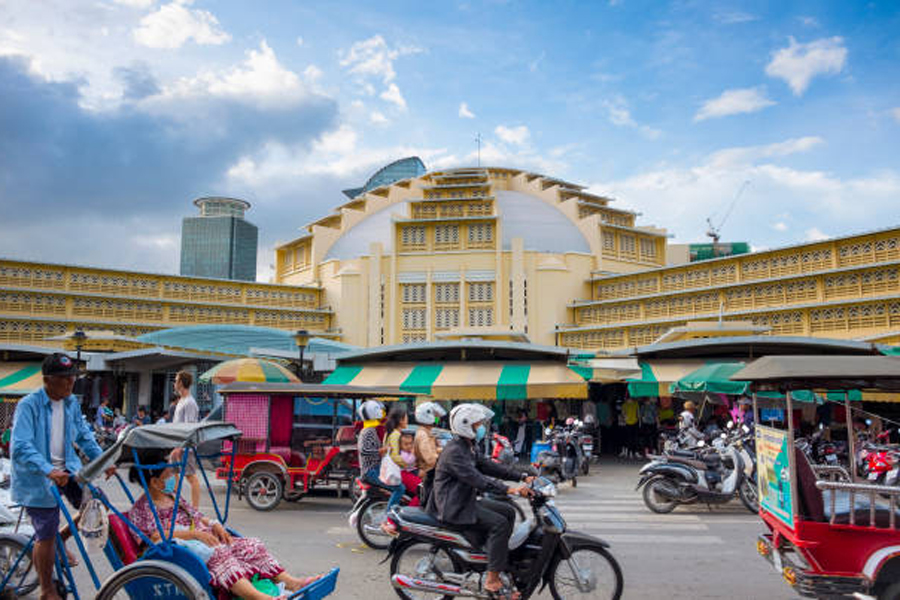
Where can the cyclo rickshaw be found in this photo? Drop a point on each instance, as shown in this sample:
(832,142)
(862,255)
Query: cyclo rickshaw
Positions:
(829,536)
(278,457)
(142,570)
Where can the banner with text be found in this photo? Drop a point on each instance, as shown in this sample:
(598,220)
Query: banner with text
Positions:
(774,473)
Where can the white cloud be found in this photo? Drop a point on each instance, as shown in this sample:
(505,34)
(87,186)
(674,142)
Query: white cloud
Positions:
(392,94)
(681,197)
(618,113)
(895,112)
(733,17)
(808,21)
(814,234)
(534,65)
(174,24)
(733,102)
(136,3)
(377,118)
(299,40)
(260,79)
(798,64)
(312,74)
(465,113)
(513,135)
(374,58)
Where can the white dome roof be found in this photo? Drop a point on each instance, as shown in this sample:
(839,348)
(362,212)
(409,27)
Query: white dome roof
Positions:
(543,227)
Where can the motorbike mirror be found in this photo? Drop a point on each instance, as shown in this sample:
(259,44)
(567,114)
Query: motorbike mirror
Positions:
(821,426)
(868,422)
(548,431)
(730,424)
(701,443)
(723,436)
(745,428)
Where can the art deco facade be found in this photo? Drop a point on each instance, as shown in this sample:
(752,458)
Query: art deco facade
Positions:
(489,251)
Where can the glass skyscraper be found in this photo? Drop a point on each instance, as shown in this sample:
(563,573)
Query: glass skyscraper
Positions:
(219,243)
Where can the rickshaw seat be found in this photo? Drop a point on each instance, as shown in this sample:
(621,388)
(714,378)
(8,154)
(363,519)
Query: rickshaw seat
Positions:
(809,497)
(123,541)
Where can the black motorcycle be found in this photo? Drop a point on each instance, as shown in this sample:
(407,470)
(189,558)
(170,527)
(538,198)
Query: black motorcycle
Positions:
(565,458)
(430,557)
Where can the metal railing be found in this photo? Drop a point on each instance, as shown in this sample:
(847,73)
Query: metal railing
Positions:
(881,497)
(831,473)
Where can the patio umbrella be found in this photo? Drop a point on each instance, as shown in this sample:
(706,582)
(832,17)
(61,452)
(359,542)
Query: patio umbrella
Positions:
(249,369)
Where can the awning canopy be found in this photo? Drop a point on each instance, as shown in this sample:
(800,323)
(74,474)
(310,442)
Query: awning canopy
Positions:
(604,370)
(875,373)
(470,380)
(658,376)
(20,378)
(713,378)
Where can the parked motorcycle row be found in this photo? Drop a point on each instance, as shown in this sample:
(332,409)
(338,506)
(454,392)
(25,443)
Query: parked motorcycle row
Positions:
(429,558)
(877,461)
(702,468)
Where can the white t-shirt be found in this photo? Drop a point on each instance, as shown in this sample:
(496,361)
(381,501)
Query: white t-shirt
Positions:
(687,419)
(186,411)
(58,434)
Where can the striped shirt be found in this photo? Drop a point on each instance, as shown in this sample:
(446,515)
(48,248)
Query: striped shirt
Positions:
(369,447)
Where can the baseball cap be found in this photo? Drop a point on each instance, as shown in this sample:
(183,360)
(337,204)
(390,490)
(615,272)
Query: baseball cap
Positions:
(59,364)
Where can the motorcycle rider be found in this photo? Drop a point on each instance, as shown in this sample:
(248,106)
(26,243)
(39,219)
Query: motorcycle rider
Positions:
(371,450)
(461,473)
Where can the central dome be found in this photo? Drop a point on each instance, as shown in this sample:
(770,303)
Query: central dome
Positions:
(543,228)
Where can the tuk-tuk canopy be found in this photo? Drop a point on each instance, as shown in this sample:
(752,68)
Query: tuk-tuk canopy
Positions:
(167,436)
(823,372)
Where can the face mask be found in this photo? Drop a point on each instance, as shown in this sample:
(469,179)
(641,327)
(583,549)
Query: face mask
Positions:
(170,485)
(480,433)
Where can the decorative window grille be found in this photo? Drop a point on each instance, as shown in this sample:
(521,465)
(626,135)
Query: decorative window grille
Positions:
(446,234)
(446,292)
(413,235)
(413,293)
(481,233)
(609,241)
(648,248)
(481,292)
(413,318)
(446,318)
(627,244)
(481,317)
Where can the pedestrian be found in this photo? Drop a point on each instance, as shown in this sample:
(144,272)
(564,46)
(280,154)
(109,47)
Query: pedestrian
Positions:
(142,418)
(524,436)
(187,411)
(100,415)
(649,423)
(686,419)
(630,410)
(43,455)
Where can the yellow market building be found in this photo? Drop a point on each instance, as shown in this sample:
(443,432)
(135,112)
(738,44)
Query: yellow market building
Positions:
(493,253)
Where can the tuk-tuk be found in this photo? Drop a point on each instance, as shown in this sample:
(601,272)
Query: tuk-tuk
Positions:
(829,536)
(279,455)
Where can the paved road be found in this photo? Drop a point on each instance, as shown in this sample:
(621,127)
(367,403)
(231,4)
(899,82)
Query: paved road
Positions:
(690,554)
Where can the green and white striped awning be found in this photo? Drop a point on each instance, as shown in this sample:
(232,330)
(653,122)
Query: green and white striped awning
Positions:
(20,378)
(476,380)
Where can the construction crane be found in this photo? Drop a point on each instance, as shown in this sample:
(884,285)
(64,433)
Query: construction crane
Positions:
(714,232)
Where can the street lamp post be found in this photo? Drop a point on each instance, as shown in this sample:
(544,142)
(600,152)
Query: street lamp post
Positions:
(302,339)
(79,338)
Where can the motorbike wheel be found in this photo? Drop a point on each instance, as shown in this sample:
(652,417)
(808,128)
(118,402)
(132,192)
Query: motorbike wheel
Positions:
(418,559)
(586,465)
(353,488)
(749,495)
(574,481)
(264,490)
(368,525)
(596,565)
(655,501)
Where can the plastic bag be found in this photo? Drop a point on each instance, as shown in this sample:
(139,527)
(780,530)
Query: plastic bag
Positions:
(94,523)
(389,474)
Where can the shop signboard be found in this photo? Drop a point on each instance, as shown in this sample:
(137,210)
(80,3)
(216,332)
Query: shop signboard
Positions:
(774,473)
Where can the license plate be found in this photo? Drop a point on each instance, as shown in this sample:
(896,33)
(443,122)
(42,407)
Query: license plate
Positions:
(588,447)
(831,458)
(873,476)
(776,560)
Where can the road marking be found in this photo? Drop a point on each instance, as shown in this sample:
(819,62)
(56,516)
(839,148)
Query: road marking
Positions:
(600,525)
(652,539)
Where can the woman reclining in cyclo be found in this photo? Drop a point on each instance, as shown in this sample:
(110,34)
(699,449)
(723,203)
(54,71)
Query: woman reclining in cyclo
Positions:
(232,561)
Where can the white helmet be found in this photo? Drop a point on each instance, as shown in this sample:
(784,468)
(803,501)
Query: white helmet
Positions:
(464,416)
(371,410)
(428,413)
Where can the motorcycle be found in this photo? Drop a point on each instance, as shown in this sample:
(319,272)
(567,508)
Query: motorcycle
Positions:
(708,476)
(564,459)
(429,557)
(369,512)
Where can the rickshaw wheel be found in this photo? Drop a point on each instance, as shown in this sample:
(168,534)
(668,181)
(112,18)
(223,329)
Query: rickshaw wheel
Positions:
(146,575)
(264,490)
(10,548)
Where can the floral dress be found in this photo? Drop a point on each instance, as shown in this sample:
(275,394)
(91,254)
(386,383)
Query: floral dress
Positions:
(242,558)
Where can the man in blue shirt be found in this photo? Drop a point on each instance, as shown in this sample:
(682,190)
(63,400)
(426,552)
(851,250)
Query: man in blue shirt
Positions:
(48,425)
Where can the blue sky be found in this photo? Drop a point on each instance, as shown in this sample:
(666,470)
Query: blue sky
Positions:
(115,114)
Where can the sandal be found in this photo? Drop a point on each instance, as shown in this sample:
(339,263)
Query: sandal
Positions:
(504,593)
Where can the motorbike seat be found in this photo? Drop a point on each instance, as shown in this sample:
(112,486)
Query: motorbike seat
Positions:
(683,453)
(691,462)
(419,516)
